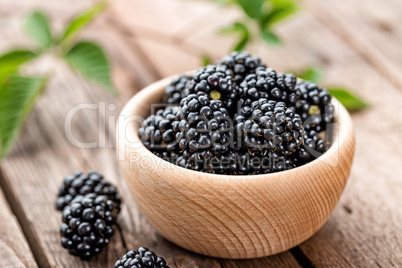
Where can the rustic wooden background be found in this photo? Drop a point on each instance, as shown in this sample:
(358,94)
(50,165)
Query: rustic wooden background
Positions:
(357,42)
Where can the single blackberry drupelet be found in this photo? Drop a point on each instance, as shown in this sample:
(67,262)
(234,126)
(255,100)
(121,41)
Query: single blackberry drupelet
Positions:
(266,83)
(314,106)
(141,258)
(176,90)
(240,64)
(216,83)
(157,132)
(87,224)
(203,131)
(82,184)
(269,126)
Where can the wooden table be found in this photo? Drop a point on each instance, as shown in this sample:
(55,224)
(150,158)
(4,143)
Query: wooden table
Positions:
(357,42)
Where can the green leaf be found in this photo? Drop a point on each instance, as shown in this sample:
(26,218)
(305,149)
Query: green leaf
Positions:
(251,7)
(235,28)
(90,60)
(280,10)
(224,2)
(241,30)
(241,44)
(349,100)
(311,74)
(270,38)
(17,98)
(37,26)
(205,60)
(81,21)
(10,61)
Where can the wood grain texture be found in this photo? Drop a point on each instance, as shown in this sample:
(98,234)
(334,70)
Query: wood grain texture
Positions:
(239,217)
(14,249)
(370,27)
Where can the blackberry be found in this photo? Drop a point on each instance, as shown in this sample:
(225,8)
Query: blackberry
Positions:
(203,131)
(82,184)
(313,147)
(269,126)
(216,83)
(87,224)
(157,132)
(314,106)
(240,64)
(141,258)
(176,90)
(266,83)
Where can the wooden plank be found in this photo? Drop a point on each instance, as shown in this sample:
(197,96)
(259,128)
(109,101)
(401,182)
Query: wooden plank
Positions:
(363,230)
(370,27)
(169,17)
(14,249)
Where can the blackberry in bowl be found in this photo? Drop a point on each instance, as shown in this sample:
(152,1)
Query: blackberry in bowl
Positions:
(237,208)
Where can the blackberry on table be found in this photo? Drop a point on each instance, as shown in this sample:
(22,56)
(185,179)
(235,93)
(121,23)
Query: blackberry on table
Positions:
(314,106)
(216,83)
(269,126)
(240,64)
(157,131)
(82,184)
(141,258)
(266,83)
(203,131)
(87,224)
(176,90)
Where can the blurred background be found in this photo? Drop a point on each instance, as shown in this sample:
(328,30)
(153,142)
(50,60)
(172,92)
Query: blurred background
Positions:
(60,54)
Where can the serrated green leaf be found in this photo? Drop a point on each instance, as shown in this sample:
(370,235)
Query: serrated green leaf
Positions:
(81,21)
(37,26)
(90,60)
(10,61)
(311,74)
(270,38)
(348,99)
(205,60)
(251,7)
(17,98)
(280,10)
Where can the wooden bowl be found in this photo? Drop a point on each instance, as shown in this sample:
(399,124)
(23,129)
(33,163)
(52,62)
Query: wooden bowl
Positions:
(226,216)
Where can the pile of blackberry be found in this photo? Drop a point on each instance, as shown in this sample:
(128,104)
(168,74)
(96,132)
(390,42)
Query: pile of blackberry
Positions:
(141,258)
(239,117)
(90,206)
